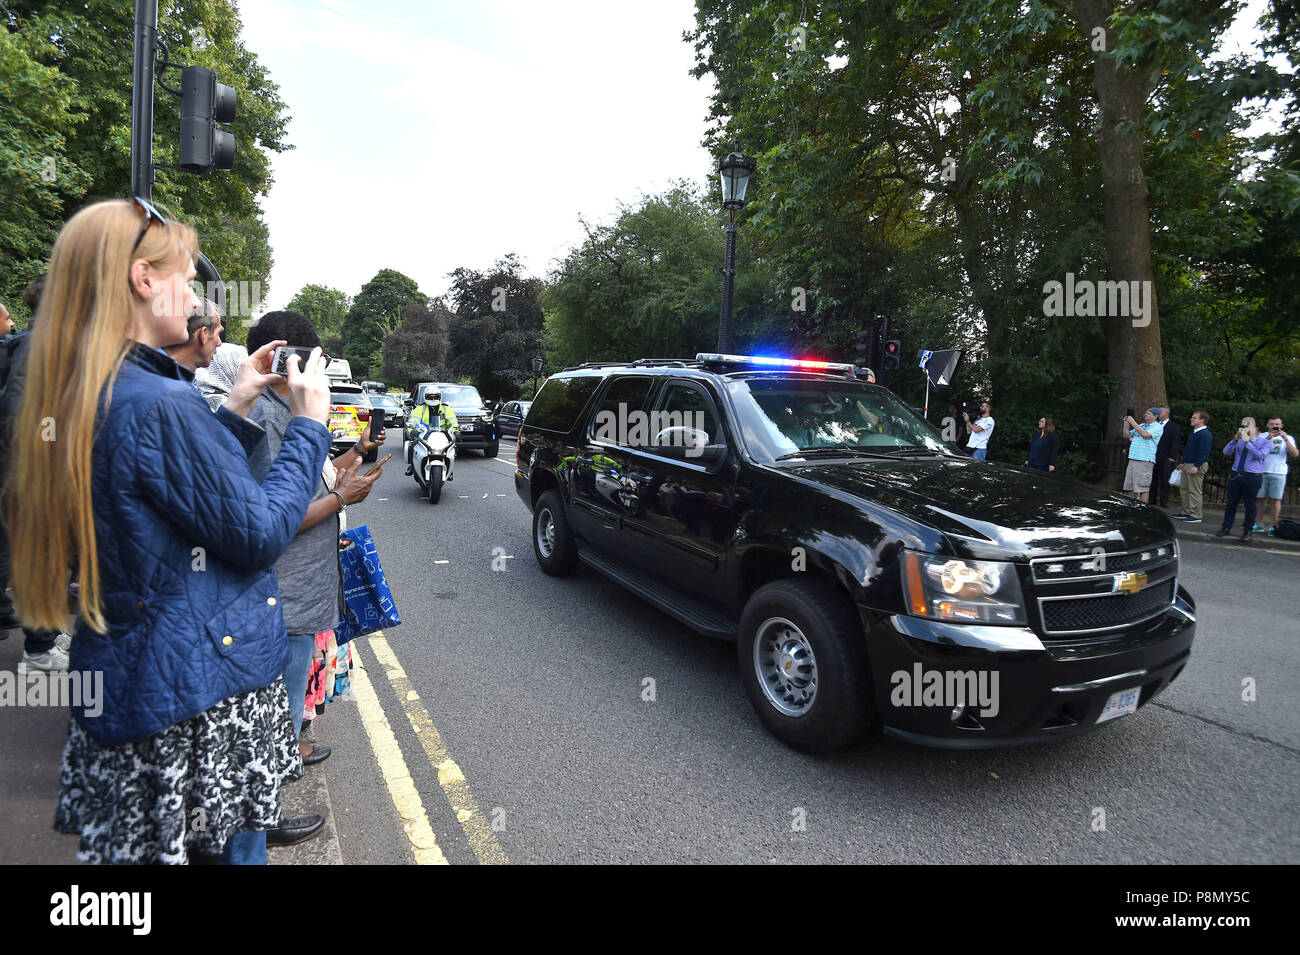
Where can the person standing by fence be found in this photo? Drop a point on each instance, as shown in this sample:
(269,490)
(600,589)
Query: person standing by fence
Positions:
(1249,452)
(1045,447)
(1143,440)
(1171,440)
(1195,460)
(1273,482)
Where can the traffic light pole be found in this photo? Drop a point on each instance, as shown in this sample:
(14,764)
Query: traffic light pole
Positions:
(142,77)
(146,52)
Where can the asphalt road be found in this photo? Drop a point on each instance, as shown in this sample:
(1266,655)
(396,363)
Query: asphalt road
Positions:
(533,688)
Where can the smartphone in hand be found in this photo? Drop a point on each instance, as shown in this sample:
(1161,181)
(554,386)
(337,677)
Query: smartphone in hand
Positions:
(376,423)
(382,462)
(280,359)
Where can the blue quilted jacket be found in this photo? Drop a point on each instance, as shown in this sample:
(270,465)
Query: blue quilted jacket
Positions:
(187,544)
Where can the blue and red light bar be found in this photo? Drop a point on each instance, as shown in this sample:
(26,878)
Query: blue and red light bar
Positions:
(808,364)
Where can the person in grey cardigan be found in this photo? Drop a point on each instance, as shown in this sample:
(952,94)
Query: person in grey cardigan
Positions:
(311,584)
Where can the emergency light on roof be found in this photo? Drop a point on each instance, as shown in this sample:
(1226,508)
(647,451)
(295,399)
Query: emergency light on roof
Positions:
(807,363)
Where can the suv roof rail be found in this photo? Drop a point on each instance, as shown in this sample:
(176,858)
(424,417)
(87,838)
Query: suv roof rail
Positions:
(638,363)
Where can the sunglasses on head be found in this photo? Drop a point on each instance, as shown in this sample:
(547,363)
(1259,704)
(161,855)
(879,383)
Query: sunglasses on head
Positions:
(150,215)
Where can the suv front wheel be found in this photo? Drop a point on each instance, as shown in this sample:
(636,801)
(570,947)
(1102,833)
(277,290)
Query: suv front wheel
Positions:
(804,664)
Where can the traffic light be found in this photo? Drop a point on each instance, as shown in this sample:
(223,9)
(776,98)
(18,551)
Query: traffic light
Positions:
(204,103)
(864,346)
(893,352)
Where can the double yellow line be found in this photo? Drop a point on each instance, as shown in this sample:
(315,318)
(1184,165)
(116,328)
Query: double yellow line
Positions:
(397,777)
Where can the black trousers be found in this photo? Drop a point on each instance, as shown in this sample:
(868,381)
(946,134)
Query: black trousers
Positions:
(1162,476)
(37,641)
(1240,485)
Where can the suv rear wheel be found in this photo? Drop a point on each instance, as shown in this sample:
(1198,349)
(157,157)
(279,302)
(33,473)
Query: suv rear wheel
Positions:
(804,664)
(491,450)
(553,544)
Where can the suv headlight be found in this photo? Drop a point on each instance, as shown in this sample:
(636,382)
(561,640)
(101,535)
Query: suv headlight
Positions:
(962,591)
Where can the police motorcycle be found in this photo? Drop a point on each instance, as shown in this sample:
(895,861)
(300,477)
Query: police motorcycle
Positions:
(430,447)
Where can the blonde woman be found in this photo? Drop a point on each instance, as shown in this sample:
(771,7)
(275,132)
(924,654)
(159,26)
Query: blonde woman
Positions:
(131,482)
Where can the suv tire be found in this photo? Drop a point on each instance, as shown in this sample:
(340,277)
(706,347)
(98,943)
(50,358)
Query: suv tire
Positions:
(553,543)
(826,701)
(491,452)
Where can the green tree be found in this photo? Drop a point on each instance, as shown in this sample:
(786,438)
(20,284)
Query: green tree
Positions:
(418,350)
(497,326)
(39,179)
(649,284)
(376,313)
(89,45)
(327,308)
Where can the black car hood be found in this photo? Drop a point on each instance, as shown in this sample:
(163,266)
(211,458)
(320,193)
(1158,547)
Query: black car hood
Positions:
(996,512)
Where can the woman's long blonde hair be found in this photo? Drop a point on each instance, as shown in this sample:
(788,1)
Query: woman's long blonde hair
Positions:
(81,334)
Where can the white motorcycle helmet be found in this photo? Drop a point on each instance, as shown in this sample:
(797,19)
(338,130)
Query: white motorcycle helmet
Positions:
(433,399)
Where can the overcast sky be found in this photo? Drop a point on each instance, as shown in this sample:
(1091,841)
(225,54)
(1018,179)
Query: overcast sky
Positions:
(430,135)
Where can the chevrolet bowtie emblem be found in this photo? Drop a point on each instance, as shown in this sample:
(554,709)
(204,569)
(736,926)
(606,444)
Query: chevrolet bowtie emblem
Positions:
(1129,583)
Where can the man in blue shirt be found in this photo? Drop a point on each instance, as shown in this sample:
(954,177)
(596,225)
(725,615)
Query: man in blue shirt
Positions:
(1195,456)
(1143,439)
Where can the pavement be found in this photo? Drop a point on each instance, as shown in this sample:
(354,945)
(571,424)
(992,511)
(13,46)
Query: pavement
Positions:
(519,717)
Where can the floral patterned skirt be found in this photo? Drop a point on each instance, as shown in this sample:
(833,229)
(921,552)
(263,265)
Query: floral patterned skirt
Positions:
(179,796)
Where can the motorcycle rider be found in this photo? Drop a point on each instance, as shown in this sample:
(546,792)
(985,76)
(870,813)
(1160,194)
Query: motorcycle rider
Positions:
(432,415)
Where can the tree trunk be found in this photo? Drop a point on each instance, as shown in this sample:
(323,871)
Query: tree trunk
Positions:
(1136,362)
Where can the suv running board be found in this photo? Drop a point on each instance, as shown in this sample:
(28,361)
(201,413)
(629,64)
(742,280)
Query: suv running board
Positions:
(689,611)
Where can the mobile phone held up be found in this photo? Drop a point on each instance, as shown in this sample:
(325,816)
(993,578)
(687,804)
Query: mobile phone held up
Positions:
(280,359)
(376,423)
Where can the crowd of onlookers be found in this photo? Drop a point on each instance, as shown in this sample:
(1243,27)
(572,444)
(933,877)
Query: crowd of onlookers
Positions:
(1157,451)
(173,522)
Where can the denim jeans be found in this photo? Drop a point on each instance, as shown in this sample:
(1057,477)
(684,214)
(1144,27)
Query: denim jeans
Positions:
(1241,486)
(980,454)
(37,641)
(246,848)
(303,646)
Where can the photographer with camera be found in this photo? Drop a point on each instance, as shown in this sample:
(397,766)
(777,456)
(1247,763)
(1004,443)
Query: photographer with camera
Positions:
(1143,441)
(981,430)
(1249,452)
(1273,481)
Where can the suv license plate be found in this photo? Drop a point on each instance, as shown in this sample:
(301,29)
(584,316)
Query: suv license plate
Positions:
(1120,704)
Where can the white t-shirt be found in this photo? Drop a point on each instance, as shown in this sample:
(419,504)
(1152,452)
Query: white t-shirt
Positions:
(980,439)
(1277,458)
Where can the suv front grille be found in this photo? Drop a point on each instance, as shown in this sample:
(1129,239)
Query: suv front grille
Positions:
(1081,595)
(1087,565)
(1086,614)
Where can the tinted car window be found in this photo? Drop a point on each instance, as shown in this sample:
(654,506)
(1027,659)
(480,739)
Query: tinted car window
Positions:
(560,402)
(687,407)
(624,394)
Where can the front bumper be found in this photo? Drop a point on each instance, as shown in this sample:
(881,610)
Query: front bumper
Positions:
(483,436)
(1025,690)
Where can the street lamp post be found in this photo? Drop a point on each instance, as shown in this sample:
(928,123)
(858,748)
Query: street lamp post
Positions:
(735,171)
(537,370)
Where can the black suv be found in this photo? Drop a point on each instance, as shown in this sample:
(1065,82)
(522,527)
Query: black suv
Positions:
(869,572)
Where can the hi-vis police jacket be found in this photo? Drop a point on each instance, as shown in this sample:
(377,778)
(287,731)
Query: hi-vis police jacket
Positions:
(446,417)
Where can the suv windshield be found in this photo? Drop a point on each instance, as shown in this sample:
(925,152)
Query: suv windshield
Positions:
(462,396)
(780,417)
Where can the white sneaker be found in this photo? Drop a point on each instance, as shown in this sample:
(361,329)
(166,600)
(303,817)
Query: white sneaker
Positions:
(52,661)
(63,641)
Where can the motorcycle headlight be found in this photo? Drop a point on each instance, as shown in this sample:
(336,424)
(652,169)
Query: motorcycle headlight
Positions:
(962,591)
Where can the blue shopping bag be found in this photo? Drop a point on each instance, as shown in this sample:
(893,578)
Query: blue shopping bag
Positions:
(367,602)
